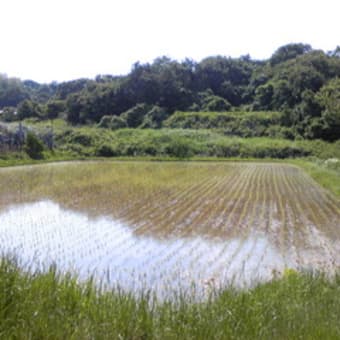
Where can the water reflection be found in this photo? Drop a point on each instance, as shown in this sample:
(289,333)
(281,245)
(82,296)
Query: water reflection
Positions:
(43,233)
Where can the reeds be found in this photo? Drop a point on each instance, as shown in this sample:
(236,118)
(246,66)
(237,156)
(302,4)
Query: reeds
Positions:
(52,306)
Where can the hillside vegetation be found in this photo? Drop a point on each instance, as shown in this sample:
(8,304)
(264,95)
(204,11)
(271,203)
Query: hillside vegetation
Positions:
(301,83)
(237,123)
(92,141)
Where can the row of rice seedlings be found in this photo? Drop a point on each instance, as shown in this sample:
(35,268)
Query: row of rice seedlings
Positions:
(292,204)
(208,211)
(303,213)
(252,221)
(227,202)
(313,234)
(183,217)
(226,219)
(169,209)
(163,216)
(119,248)
(280,222)
(223,265)
(264,221)
(326,205)
(295,227)
(215,211)
(183,195)
(235,267)
(134,196)
(256,224)
(302,208)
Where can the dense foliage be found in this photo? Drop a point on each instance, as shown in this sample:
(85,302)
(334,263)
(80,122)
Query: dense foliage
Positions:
(298,81)
(242,124)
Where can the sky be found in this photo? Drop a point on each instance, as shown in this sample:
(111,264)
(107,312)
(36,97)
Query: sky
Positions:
(59,40)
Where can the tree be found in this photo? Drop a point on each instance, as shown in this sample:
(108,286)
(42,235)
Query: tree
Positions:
(329,98)
(154,118)
(134,116)
(216,103)
(54,108)
(29,109)
(66,88)
(9,114)
(74,107)
(289,51)
(264,96)
(12,91)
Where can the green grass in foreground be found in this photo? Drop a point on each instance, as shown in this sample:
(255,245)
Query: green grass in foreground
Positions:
(50,306)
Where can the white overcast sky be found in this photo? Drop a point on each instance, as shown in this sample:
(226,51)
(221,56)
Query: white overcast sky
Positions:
(47,40)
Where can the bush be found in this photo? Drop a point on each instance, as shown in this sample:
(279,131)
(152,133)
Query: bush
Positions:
(180,148)
(216,103)
(82,138)
(34,147)
(333,163)
(106,150)
(134,116)
(154,118)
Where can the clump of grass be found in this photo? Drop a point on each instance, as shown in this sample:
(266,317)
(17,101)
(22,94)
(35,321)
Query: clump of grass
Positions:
(48,305)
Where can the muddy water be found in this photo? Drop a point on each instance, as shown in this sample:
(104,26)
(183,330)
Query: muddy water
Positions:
(169,226)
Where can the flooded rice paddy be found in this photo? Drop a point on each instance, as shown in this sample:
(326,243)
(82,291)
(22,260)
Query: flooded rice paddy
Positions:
(169,226)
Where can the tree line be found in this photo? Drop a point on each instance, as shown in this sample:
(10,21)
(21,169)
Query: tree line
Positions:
(300,82)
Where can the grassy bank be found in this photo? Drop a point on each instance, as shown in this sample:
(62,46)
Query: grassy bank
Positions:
(92,141)
(185,143)
(50,306)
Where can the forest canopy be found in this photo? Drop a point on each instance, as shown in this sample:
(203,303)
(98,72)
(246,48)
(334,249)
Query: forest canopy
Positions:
(297,81)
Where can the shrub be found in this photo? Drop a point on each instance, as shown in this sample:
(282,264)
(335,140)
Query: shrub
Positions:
(180,148)
(34,147)
(134,116)
(154,118)
(106,150)
(81,138)
(216,103)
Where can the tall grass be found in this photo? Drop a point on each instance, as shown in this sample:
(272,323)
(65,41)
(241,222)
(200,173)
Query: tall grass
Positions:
(51,306)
